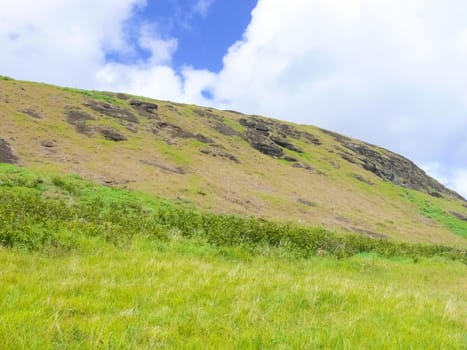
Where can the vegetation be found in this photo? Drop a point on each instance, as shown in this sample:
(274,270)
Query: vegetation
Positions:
(180,294)
(4,77)
(87,266)
(97,95)
(58,213)
(432,211)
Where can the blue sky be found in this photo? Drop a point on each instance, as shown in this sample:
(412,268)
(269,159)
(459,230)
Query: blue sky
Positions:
(204,30)
(204,33)
(390,72)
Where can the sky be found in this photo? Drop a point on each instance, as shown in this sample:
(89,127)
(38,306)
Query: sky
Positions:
(389,72)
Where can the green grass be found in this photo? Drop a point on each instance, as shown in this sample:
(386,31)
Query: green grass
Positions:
(97,95)
(430,210)
(4,77)
(182,294)
(84,266)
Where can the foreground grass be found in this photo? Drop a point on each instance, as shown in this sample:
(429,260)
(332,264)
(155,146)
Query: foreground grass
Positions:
(183,294)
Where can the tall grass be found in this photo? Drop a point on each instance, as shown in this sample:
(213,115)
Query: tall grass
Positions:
(181,295)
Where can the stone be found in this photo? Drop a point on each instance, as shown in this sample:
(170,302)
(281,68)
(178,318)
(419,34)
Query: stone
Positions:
(303,166)
(32,113)
(286,144)
(147,109)
(290,159)
(459,216)
(220,154)
(48,143)
(78,119)
(112,134)
(6,153)
(111,110)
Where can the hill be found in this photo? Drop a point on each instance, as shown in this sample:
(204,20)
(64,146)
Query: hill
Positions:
(227,162)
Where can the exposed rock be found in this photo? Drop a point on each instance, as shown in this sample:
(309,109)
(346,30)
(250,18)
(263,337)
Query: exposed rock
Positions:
(170,169)
(216,121)
(285,143)
(111,110)
(306,202)
(347,158)
(203,139)
(146,109)
(175,130)
(122,96)
(303,166)
(255,124)
(261,142)
(220,154)
(48,143)
(290,159)
(435,194)
(209,114)
(362,179)
(310,138)
(459,216)
(269,137)
(131,127)
(32,113)
(78,119)
(396,169)
(6,153)
(112,134)
(224,129)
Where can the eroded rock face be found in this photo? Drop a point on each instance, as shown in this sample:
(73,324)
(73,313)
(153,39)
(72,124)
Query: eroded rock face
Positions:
(146,109)
(78,119)
(111,110)
(6,153)
(271,137)
(220,154)
(394,168)
(32,113)
(112,134)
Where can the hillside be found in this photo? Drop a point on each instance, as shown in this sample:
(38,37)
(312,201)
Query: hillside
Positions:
(227,162)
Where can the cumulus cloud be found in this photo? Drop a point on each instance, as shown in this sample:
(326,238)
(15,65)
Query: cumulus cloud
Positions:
(392,72)
(61,41)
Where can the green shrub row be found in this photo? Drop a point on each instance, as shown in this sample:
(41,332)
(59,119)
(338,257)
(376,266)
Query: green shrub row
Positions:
(31,218)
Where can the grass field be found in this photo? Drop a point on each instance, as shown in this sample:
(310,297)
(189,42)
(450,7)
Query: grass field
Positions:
(84,266)
(183,294)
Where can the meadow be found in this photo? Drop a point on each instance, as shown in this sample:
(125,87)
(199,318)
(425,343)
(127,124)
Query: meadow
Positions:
(83,266)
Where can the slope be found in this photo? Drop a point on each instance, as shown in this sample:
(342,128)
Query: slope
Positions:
(224,161)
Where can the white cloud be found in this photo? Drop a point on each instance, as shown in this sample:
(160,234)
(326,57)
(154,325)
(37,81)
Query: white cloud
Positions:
(392,72)
(202,7)
(60,41)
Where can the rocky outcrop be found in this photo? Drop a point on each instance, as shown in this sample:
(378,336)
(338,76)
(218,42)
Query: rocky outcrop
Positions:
(394,168)
(146,109)
(219,153)
(112,134)
(165,167)
(271,137)
(6,153)
(111,110)
(78,119)
(32,113)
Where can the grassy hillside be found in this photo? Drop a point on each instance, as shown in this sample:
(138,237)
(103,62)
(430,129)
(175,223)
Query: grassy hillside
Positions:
(227,162)
(85,266)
